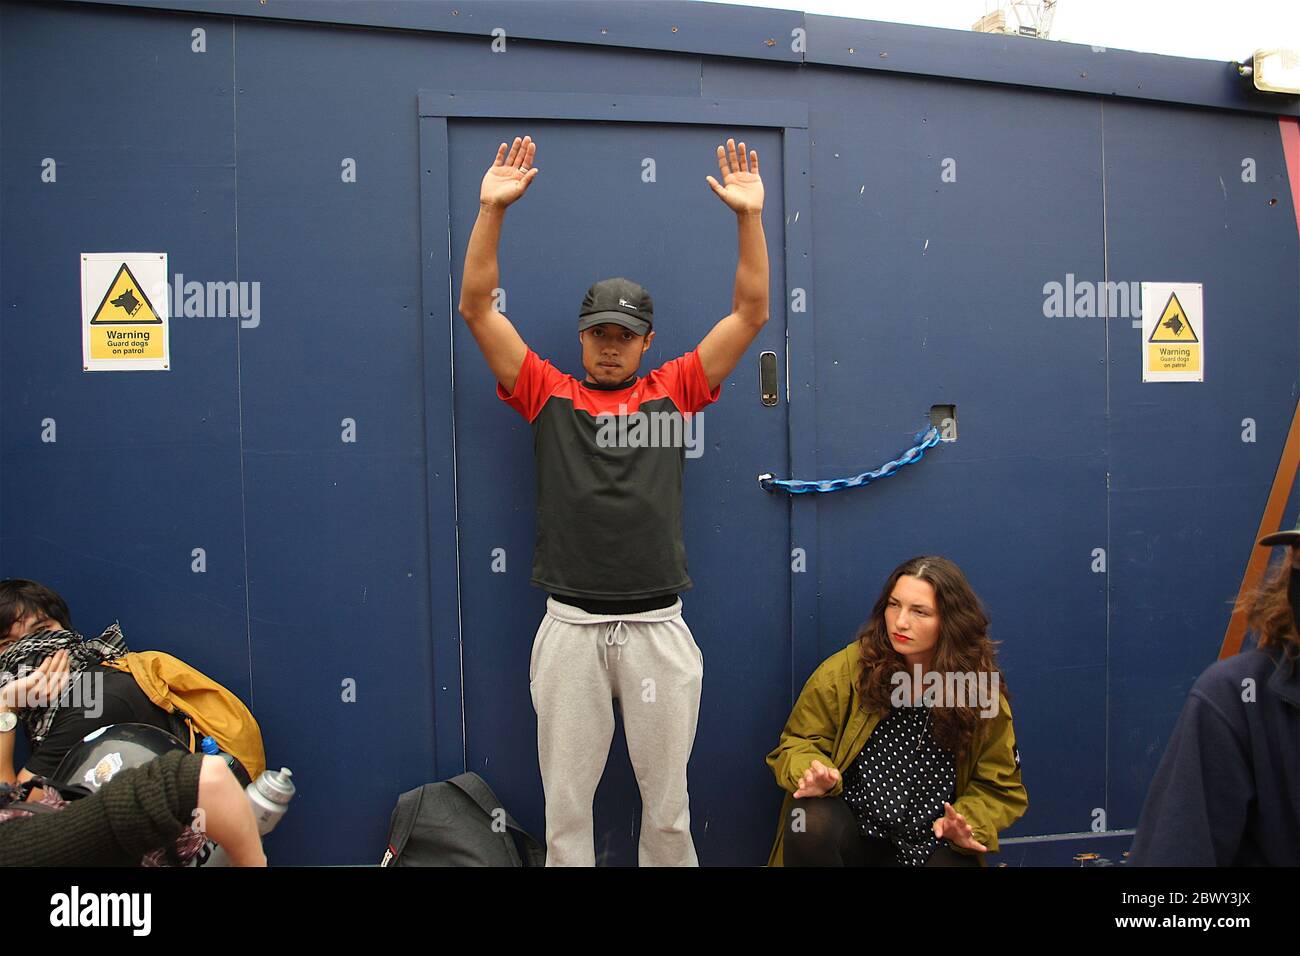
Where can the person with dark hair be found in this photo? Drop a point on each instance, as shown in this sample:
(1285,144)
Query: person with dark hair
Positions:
(1227,790)
(900,750)
(26,607)
(35,630)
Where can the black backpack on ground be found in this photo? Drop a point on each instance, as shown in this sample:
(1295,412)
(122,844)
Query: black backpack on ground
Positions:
(458,822)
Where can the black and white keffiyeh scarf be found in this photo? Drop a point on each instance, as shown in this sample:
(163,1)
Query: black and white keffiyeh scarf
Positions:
(26,654)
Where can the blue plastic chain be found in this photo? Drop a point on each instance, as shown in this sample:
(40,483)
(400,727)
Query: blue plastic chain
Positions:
(924,440)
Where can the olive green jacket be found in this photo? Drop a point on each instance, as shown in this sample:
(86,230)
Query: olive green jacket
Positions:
(829,724)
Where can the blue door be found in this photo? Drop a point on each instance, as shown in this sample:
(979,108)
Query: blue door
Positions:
(630,199)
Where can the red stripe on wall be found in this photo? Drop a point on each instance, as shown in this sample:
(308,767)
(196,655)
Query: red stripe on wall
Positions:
(1290,126)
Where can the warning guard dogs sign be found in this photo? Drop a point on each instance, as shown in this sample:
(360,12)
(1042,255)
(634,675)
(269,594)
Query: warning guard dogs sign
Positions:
(124,319)
(1173,332)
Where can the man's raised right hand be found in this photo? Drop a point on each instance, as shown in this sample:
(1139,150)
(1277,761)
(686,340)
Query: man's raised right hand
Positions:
(509,175)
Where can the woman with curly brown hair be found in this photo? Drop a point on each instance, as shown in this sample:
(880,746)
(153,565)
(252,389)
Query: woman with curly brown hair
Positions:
(900,750)
(1227,791)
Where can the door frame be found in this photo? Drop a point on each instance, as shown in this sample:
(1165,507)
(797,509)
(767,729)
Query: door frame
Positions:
(438,315)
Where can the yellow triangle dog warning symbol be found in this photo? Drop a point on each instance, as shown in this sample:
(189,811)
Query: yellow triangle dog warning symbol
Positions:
(1173,325)
(125,303)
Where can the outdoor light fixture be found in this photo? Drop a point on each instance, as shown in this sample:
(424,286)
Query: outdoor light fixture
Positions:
(1274,71)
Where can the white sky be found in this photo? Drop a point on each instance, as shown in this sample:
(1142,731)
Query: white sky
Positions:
(1224,30)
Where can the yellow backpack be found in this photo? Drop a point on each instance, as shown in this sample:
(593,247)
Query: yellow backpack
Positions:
(208,708)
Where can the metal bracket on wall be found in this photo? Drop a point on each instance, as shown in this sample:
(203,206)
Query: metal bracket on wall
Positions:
(767,378)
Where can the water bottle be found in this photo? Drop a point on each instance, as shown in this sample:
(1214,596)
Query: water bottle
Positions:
(211,749)
(270,794)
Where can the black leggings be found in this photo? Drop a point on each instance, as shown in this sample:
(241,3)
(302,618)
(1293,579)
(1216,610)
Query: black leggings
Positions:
(831,837)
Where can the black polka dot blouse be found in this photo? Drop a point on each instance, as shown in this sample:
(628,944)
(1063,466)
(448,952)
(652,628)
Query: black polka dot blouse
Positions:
(897,785)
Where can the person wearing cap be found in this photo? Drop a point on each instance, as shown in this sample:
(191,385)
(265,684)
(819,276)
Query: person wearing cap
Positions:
(609,548)
(1225,793)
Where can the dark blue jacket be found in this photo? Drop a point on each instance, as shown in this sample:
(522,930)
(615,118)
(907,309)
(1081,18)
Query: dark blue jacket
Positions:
(1227,792)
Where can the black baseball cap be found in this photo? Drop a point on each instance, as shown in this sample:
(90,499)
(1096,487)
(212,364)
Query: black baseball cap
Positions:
(1281,537)
(620,301)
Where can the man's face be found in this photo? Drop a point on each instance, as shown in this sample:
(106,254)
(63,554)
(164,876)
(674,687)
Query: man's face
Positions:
(611,354)
(29,623)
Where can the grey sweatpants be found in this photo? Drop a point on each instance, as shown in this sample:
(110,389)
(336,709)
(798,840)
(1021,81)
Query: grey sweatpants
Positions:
(649,661)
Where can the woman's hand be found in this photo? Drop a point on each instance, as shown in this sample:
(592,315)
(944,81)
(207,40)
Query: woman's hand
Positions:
(817,780)
(40,687)
(509,174)
(952,826)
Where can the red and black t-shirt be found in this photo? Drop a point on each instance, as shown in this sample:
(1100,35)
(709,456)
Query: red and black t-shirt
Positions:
(609,477)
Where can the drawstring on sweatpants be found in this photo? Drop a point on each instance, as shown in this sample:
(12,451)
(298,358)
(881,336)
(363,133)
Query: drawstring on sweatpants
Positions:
(612,635)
